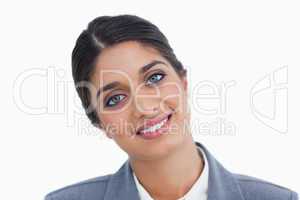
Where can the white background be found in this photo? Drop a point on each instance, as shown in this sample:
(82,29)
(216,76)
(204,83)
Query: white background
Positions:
(219,41)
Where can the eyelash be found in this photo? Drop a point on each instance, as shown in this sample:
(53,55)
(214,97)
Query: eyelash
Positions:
(111,98)
(159,73)
(118,95)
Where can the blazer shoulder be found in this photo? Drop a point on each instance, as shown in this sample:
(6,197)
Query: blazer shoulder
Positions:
(92,189)
(255,188)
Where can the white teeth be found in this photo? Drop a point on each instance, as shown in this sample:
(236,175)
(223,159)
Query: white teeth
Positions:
(155,127)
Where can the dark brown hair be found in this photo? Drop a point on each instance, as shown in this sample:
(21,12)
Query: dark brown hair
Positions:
(106,31)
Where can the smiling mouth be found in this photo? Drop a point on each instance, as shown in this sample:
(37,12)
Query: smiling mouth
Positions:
(156,129)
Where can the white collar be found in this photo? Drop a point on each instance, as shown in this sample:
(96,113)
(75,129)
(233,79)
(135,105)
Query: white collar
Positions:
(198,190)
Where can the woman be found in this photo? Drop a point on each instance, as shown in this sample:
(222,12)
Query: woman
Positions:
(134,88)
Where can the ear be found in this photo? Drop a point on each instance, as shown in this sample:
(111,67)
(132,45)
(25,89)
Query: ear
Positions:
(185,83)
(183,77)
(101,127)
(108,135)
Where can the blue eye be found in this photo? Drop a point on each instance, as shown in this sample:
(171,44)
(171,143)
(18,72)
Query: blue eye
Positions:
(155,78)
(114,100)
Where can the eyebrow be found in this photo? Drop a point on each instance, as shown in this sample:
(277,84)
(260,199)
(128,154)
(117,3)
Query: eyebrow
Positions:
(151,64)
(109,86)
(115,84)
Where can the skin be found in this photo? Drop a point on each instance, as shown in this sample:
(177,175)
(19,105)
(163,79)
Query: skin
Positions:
(167,166)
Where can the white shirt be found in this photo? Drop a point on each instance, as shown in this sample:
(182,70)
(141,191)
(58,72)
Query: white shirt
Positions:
(198,190)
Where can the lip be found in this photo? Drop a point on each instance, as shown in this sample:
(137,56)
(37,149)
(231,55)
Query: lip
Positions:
(150,122)
(158,133)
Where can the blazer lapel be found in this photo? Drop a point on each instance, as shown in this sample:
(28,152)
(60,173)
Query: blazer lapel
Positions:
(221,183)
(122,185)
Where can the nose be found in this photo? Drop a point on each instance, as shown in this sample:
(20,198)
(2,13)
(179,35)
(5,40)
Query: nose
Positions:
(147,107)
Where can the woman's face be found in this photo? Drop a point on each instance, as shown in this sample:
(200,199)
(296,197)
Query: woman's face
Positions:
(138,96)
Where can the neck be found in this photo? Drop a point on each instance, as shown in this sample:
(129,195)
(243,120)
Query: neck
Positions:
(173,176)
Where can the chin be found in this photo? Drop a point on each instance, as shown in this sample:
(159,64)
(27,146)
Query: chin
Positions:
(159,149)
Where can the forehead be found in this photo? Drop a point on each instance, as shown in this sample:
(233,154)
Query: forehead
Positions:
(126,57)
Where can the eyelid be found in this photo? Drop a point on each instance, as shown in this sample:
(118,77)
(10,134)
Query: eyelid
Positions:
(107,99)
(111,94)
(158,71)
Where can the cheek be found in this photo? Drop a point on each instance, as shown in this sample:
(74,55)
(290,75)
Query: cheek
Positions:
(117,124)
(173,97)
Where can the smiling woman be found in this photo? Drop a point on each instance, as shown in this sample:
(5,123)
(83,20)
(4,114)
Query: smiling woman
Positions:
(134,88)
(148,90)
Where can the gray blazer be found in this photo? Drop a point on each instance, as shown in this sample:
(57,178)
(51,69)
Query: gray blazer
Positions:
(222,185)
